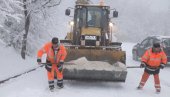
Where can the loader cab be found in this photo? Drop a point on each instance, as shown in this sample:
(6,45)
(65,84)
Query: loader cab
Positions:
(91,24)
(91,16)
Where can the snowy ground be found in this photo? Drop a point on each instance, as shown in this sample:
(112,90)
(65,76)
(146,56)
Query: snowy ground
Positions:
(34,84)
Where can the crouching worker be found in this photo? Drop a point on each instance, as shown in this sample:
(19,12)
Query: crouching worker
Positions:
(153,60)
(56,54)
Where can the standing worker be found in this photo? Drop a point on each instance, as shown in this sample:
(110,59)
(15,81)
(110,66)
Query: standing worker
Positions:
(153,59)
(56,54)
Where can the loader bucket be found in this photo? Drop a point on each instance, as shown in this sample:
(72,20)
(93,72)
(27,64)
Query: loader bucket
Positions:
(101,65)
(96,54)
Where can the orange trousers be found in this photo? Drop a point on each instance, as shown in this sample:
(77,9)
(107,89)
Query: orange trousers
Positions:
(51,74)
(145,77)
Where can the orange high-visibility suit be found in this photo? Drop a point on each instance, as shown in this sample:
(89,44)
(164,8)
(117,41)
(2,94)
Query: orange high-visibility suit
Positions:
(53,57)
(153,61)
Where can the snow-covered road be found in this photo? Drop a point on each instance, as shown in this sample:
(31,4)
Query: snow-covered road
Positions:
(35,84)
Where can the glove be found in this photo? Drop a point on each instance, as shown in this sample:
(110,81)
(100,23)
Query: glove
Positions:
(39,61)
(142,65)
(60,66)
(162,66)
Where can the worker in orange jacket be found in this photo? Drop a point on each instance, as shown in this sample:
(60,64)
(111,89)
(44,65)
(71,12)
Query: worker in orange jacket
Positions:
(56,54)
(153,59)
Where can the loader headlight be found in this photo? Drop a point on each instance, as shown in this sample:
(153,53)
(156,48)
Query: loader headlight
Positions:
(71,23)
(111,25)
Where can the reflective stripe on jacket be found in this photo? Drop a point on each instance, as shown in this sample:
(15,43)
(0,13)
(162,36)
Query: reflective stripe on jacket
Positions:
(154,59)
(47,48)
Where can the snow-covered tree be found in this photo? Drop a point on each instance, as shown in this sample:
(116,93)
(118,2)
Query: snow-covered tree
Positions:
(11,18)
(9,8)
(32,7)
(16,18)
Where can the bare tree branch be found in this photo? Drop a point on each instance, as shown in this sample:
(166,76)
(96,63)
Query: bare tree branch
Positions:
(55,4)
(46,4)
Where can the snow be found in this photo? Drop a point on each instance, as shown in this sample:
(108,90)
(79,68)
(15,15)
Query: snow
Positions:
(11,62)
(83,63)
(8,8)
(34,84)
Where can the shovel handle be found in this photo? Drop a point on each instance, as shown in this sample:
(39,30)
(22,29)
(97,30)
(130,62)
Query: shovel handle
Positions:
(133,67)
(65,63)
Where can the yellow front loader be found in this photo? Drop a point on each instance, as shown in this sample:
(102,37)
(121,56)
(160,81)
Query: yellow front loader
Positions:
(91,38)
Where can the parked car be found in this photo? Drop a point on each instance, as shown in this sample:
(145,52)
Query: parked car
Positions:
(139,49)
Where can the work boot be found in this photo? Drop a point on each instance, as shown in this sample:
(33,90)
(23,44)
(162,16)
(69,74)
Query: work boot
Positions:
(158,90)
(139,87)
(51,88)
(51,85)
(60,85)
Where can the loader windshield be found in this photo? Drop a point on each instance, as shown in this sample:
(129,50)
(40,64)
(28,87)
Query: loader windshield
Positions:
(91,16)
(94,16)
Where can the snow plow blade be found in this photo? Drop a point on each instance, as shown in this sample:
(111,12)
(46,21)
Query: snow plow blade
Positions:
(102,64)
(96,72)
